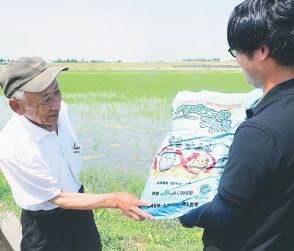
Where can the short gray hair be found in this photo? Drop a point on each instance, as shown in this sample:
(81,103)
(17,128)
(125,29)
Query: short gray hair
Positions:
(19,95)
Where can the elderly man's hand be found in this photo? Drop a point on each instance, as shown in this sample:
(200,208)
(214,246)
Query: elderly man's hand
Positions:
(129,205)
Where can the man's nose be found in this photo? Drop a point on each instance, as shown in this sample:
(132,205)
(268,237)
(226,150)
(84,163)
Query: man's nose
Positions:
(56,103)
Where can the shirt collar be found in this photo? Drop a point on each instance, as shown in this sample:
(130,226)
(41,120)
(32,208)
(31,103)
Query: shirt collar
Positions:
(35,131)
(274,95)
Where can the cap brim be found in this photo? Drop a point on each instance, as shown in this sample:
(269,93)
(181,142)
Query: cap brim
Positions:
(43,80)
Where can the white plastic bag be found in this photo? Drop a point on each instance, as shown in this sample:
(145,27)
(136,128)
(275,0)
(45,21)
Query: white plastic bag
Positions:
(186,170)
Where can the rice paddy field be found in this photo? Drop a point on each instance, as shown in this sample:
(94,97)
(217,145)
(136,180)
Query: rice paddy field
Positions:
(121,116)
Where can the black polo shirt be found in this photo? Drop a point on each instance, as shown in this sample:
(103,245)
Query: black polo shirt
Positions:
(259,176)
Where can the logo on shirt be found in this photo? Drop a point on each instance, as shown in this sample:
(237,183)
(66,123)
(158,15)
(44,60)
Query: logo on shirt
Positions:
(76,148)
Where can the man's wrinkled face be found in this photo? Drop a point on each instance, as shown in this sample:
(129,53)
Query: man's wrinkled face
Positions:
(43,108)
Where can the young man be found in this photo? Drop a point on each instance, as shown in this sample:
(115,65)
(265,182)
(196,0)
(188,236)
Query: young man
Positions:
(40,158)
(254,207)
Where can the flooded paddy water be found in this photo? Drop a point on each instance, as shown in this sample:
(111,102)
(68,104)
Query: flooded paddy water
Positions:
(119,134)
(118,137)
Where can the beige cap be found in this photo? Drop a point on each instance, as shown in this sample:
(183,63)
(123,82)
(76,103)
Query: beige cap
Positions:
(31,74)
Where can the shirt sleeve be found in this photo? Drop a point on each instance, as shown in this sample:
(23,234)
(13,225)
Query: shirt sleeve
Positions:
(215,215)
(253,159)
(31,182)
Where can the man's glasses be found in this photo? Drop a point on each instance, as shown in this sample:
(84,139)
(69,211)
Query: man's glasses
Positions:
(233,52)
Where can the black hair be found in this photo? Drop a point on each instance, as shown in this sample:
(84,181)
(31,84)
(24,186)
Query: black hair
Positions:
(263,22)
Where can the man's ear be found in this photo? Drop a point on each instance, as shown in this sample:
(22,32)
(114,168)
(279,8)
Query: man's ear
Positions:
(16,106)
(263,52)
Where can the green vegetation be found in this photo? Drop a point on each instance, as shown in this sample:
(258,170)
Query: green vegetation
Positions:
(120,233)
(6,200)
(136,90)
(155,84)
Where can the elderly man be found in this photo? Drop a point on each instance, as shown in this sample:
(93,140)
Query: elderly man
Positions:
(254,207)
(40,158)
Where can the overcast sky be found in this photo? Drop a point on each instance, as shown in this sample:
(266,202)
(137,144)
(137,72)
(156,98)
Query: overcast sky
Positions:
(127,30)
